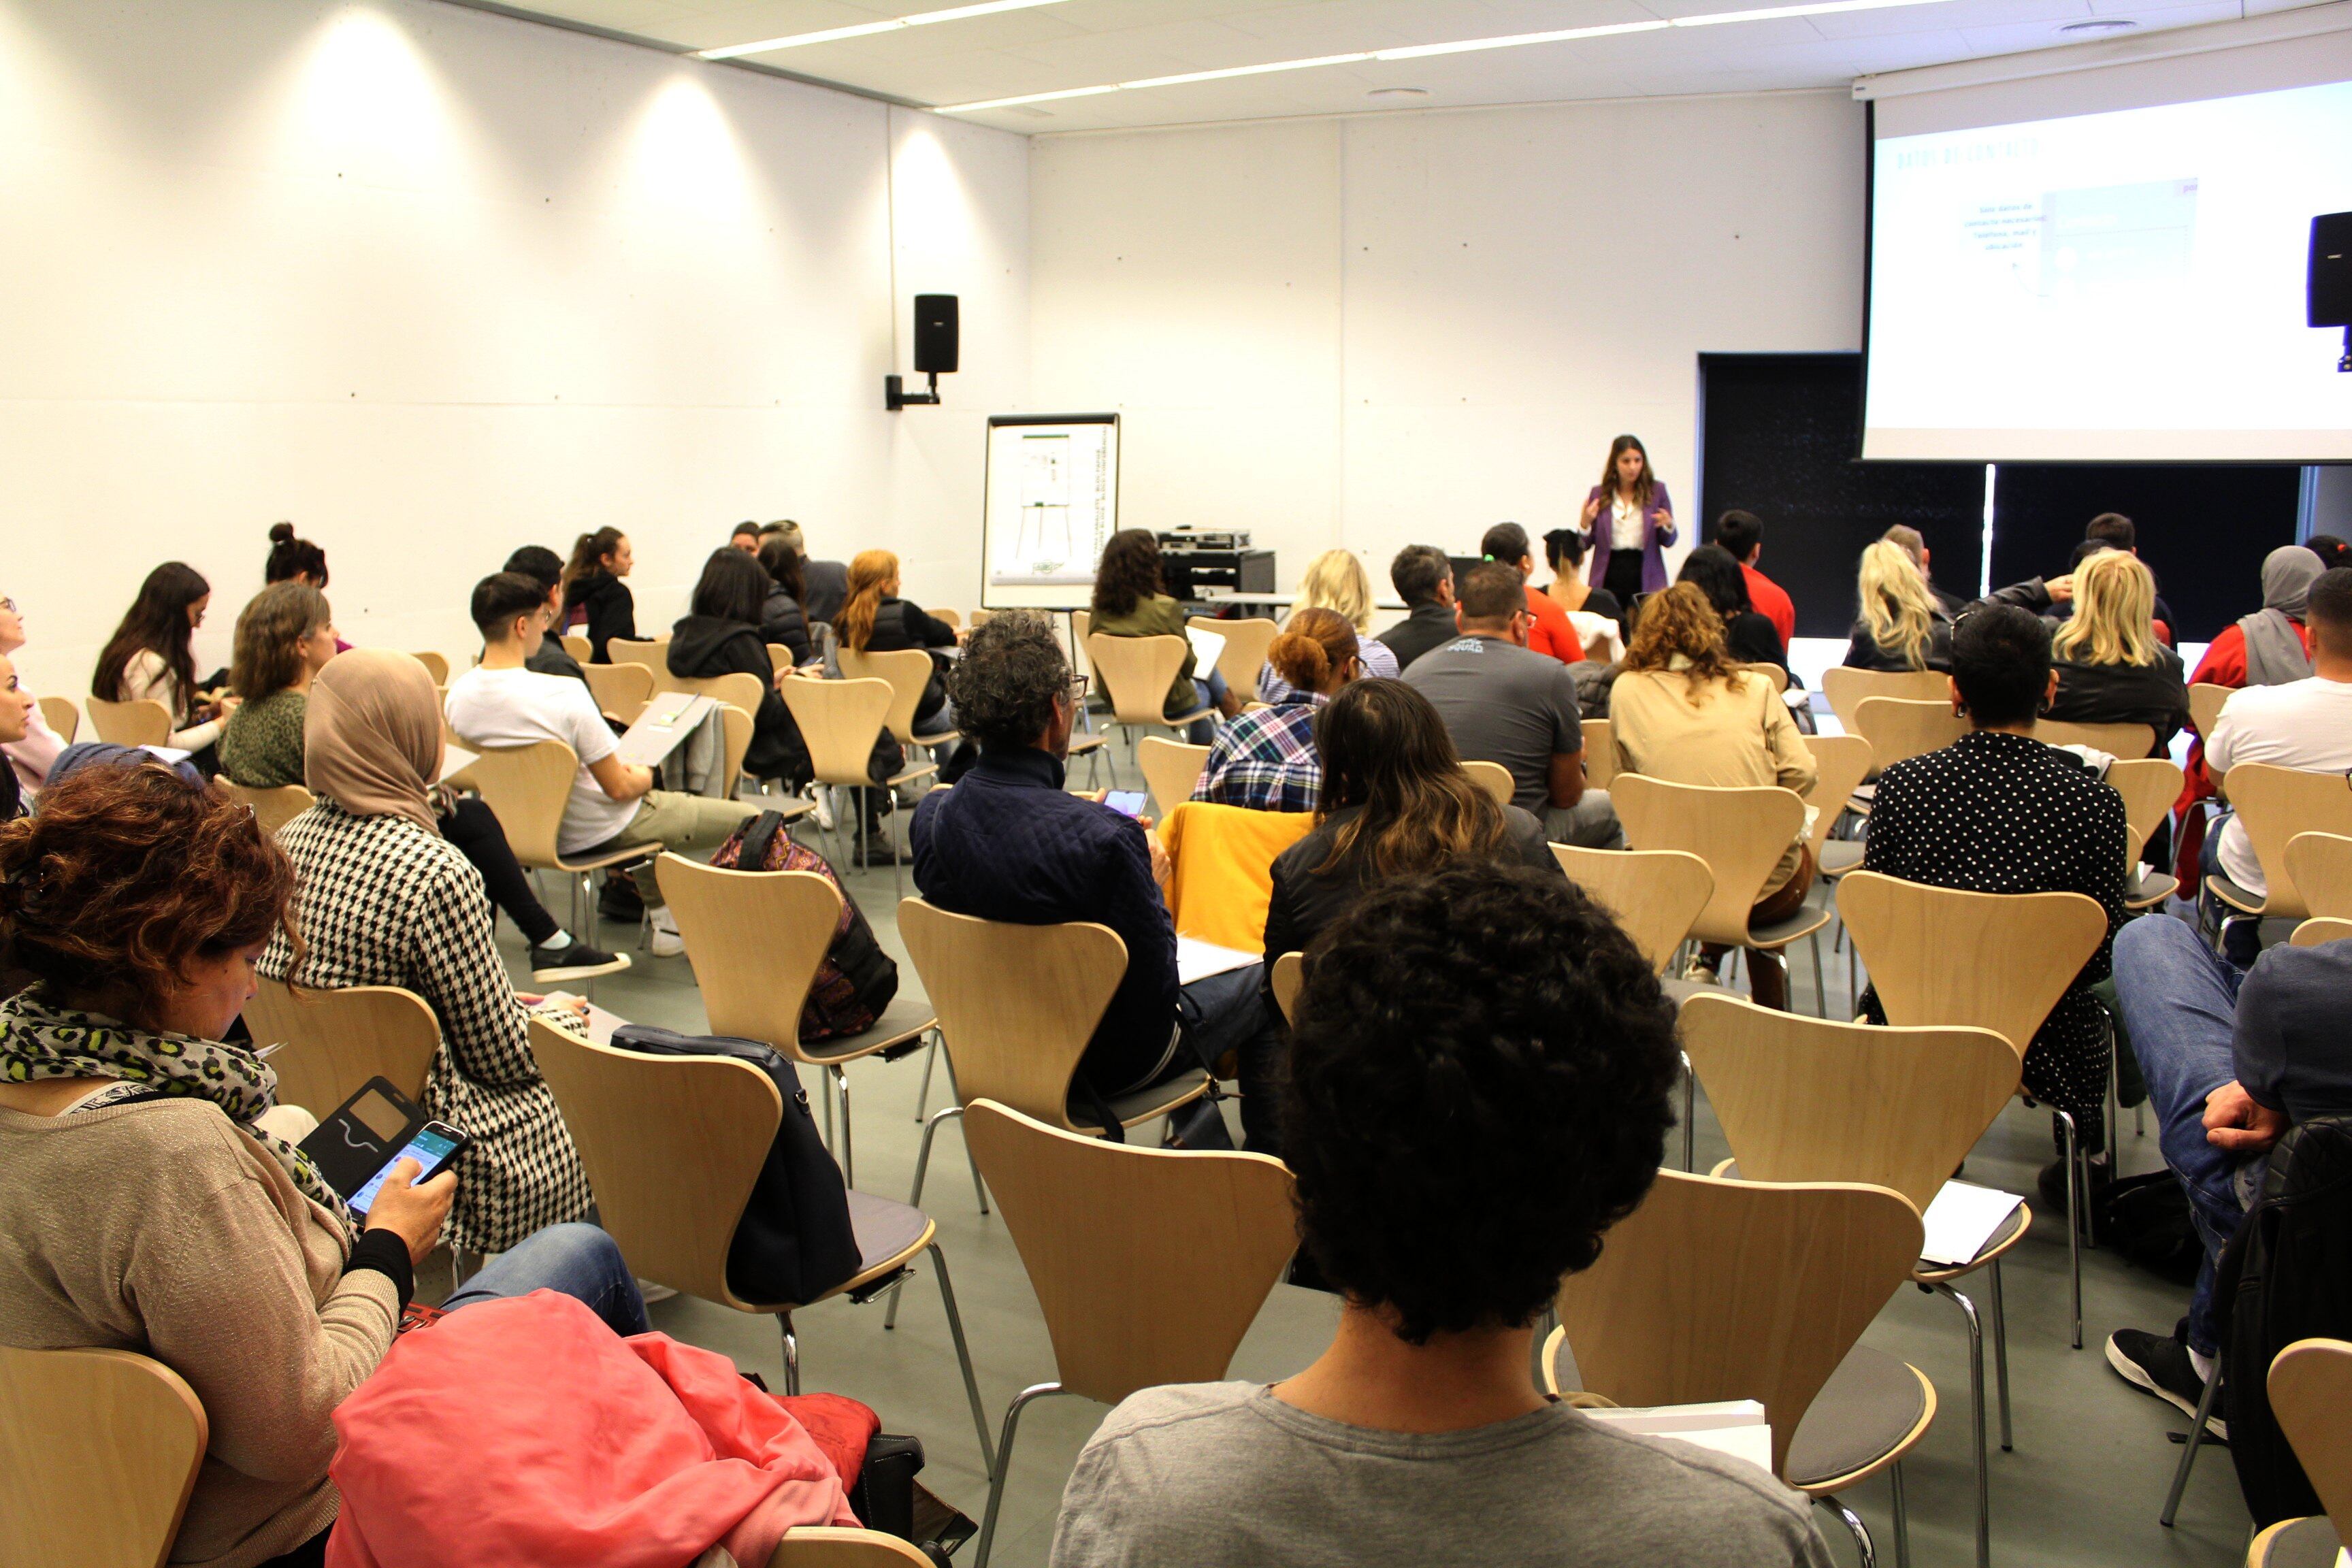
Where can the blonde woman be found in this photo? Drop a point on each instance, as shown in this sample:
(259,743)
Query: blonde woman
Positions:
(1335,580)
(2111,667)
(1901,626)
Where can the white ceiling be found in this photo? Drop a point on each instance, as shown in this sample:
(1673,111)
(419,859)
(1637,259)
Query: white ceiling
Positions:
(1081,43)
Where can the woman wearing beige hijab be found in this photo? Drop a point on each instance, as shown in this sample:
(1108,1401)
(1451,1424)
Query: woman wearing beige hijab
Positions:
(384,900)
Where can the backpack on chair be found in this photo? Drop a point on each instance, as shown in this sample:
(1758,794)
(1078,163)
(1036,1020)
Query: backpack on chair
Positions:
(855,980)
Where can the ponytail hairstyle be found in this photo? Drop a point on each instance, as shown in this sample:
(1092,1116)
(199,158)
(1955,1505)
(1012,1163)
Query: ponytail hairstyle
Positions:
(1313,645)
(1643,486)
(588,552)
(1897,608)
(290,557)
(156,623)
(872,578)
(1384,748)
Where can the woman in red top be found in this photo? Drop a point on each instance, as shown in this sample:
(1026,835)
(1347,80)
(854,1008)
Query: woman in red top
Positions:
(1553,631)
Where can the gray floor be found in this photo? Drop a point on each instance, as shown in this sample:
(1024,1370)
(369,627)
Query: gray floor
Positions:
(2083,1487)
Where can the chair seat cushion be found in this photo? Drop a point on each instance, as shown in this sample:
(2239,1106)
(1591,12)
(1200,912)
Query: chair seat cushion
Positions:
(2151,889)
(885,1228)
(1081,744)
(1780,933)
(2234,896)
(1681,991)
(1132,1107)
(905,1017)
(2300,1544)
(1840,856)
(1869,1405)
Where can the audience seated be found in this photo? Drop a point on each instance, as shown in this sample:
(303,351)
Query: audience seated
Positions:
(1008,843)
(1682,712)
(2111,667)
(1503,704)
(32,754)
(150,655)
(17,709)
(1742,534)
(875,619)
(2113,531)
(293,560)
(1748,636)
(1594,612)
(1478,1090)
(782,619)
(745,538)
(1266,759)
(614,805)
(825,583)
(2232,1059)
(1999,812)
(1335,580)
(1549,631)
(1912,543)
(593,594)
(720,635)
(545,567)
(2332,551)
(1902,624)
(152,1196)
(1423,579)
(1128,603)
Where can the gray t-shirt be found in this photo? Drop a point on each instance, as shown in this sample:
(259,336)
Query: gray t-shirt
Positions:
(1503,704)
(1226,1473)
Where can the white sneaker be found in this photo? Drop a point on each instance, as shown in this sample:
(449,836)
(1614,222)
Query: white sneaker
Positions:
(823,799)
(667,943)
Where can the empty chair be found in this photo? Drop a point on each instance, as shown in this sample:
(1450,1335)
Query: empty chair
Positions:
(336,1040)
(1657,895)
(528,787)
(1136,674)
(577,644)
(2276,804)
(1243,655)
(1496,779)
(621,690)
(1172,770)
(436,666)
(1899,728)
(2149,786)
(839,721)
(60,715)
(101,1449)
(1848,688)
(273,808)
(142,721)
(909,671)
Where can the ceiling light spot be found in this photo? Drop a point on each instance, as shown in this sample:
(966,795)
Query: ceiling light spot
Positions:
(2098,24)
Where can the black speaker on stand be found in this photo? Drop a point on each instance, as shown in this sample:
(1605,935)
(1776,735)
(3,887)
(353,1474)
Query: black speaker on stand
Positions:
(2327,290)
(935,351)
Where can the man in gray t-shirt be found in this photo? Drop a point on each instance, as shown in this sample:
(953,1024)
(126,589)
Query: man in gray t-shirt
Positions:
(1503,704)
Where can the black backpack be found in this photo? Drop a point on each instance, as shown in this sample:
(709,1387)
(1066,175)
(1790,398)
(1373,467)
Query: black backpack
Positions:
(794,1241)
(2285,1276)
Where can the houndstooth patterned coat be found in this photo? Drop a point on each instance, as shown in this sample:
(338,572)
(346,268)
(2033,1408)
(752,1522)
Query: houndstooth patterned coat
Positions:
(383,902)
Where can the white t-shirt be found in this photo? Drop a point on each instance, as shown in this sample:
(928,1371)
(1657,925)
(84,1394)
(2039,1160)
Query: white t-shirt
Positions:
(2304,725)
(490,708)
(1625,520)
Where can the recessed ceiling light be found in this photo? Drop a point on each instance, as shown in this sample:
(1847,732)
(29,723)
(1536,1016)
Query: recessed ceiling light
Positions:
(2100,25)
(1397,92)
(867,29)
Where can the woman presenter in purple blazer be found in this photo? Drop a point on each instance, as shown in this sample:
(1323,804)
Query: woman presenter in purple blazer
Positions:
(1626,523)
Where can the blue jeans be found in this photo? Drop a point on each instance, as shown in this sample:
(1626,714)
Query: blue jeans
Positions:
(1209,693)
(1223,1013)
(2179,1003)
(578,1261)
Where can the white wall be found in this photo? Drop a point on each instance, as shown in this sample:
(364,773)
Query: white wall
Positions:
(434,283)
(1406,326)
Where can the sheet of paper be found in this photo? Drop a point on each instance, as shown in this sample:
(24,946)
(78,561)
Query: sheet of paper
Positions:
(455,762)
(1734,1426)
(1208,646)
(667,720)
(602,1024)
(172,754)
(1962,1219)
(1197,960)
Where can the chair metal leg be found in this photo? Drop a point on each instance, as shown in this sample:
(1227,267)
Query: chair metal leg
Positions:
(792,1354)
(1867,1553)
(923,1097)
(824,1098)
(898,872)
(1820,988)
(1999,1352)
(2188,1448)
(848,1150)
(1977,1415)
(963,1357)
(979,1187)
(915,1198)
(1852,981)
(2074,1221)
(1003,1462)
(1690,1115)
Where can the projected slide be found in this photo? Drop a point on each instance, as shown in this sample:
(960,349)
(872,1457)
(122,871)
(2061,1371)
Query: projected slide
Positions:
(1053,501)
(2119,286)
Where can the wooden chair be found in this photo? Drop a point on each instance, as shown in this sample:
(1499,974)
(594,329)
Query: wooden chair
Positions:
(528,787)
(672,1146)
(1899,728)
(2205,700)
(1714,1289)
(2311,1388)
(337,1040)
(101,1449)
(828,1546)
(1243,655)
(839,722)
(909,671)
(950,619)
(1941,957)
(2119,741)
(273,808)
(1497,780)
(652,653)
(142,721)
(756,940)
(1656,895)
(1848,689)
(779,658)
(1772,673)
(2320,929)
(1137,673)
(621,690)
(1149,1265)
(577,644)
(61,716)
(1840,764)
(2149,786)
(735,689)
(1290,974)
(2277,804)
(436,665)
(1172,770)
(2320,865)
(1741,835)
(1804,1100)
(1601,764)
(982,618)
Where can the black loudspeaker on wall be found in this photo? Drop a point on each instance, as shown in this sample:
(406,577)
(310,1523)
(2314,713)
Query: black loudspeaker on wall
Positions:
(935,352)
(2327,299)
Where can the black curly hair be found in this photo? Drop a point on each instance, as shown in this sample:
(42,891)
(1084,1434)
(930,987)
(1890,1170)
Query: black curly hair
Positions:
(1005,686)
(1480,1085)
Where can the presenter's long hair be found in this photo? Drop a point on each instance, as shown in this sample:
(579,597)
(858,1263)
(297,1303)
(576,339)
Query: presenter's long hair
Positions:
(1643,486)
(1335,580)
(1384,748)
(2114,611)
(1896,606)
(872,577)
(157,623)
(1128,573)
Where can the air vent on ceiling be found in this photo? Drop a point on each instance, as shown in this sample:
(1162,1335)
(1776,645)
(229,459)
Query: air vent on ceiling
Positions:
(2097,26)
(1397,92)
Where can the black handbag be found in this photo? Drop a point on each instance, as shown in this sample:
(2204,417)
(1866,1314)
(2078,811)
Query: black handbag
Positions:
(794,1241)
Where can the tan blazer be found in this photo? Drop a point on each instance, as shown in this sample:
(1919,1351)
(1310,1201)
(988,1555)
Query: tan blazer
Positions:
(1739,737)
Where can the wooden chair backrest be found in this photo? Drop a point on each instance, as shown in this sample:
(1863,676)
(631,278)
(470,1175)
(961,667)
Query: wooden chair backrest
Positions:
(1497,780)
(1741,834)
(337,1040)
(736,739)
(982,618)
(1848,689)
(909,671)
(1172,770)
(1807,1100)
(528,787)
(1772,673)
(2115,739)
(2277,804)
(2320,865)
(1717,1290)
(735,689)
(652,653)
(756,940)
(1840,764)
(142,721)
(1600,754)
(952,619)
(620,689)
(2320,929)
(1137,673)
(2205,700)
(2149,786)
(671,1145)
(60,715)
(1016,1003)
(2311,1392)
(101,1449)
(1290,974)
(1899,728)
(577,644)
(1149,1265)
(436,665)
(1656,895)
(839,721)
(273,808)
(830,1546)
(780,657)
(1243,654)
(1940,958)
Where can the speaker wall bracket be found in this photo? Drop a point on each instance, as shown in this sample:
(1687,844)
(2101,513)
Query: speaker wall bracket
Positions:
(896,396)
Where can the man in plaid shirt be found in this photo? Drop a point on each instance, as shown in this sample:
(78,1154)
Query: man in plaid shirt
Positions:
(1266,759)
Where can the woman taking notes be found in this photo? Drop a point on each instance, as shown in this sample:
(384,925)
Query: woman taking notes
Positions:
(1627,522)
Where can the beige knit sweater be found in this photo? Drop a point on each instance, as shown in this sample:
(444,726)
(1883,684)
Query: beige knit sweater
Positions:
(159,1227)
